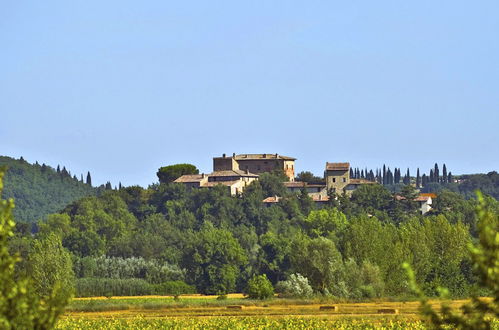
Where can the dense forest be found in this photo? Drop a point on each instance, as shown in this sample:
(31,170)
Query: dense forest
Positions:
(167,239)
(40,189)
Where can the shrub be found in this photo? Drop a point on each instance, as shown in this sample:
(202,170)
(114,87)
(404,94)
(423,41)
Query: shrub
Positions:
(296,286)
(88,287)
(154,271)
(259,287)
(20,306)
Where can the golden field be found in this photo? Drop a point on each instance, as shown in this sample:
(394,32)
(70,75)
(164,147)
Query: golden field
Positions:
(206,312)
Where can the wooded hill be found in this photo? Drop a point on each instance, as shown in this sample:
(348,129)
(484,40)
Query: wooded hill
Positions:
(39,190)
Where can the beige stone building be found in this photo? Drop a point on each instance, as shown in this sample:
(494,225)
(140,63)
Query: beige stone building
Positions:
(338,180)
(337,176)
(235,180)
(256,163)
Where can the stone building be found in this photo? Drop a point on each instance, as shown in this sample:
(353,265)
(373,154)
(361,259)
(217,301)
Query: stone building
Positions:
(235,180)
(338,180)
(337,176)
(256,163)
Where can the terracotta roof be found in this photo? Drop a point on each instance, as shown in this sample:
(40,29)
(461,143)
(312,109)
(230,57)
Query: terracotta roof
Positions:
(420,198)
(337,166)
(361,181)
(320,198)
(233,173)
(191,178)
(432,195)
(299,184)
(272,199)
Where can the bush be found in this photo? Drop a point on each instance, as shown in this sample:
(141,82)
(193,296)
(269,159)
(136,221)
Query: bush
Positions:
(296,286)
(20,305)
(259,287)
(89,287)
(154,271)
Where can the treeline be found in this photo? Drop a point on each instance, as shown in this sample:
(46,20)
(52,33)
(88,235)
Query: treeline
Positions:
(207,239)
(433,182)
(386,176)
(40,190)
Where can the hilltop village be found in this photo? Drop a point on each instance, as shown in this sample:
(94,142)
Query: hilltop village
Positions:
(237,171)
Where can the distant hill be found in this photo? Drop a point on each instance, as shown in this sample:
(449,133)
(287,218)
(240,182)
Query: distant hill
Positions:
(39,190)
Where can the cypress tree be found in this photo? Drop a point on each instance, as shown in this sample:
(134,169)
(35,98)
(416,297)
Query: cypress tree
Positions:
(424,180)
(119,186)
(449,178)
(351,173)
(64,172)
(89,179)
(384,174)
(81,178)
(432,176)
(58,169)
(108,186)
(444,174)
(436,174)
(418,179)
(362,174)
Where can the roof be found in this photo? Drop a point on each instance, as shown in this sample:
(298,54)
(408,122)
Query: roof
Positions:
(215,183)
(320,198)
(315,198)
(300,184)
(420,198)
(260,156)
(233,173)
(361,181)
(272,199)
(337,166)
(432,195)
(190,178)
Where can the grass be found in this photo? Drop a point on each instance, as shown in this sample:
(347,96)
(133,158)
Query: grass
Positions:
(202,312)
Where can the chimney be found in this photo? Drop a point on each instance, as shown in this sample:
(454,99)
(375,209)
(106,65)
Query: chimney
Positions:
(247,171)
(223,155)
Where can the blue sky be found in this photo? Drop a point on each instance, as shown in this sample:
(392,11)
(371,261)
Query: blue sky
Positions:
(121,88)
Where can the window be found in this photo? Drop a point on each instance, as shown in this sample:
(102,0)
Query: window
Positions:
(334,179)
(344,179)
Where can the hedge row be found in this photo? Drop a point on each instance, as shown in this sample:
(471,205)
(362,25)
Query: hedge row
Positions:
(91,287)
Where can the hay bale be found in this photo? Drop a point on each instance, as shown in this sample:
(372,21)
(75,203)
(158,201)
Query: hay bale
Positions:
(328,308)
(234,307)
(388,311)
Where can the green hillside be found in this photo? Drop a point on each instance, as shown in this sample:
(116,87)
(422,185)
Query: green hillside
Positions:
(39,190)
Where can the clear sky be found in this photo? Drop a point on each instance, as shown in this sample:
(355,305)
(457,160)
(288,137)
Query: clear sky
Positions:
(121,88)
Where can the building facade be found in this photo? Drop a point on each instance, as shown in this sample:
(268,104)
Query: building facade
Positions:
(235,180)
(256,163)
(337,176)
